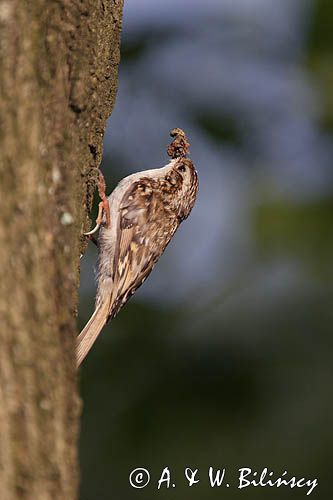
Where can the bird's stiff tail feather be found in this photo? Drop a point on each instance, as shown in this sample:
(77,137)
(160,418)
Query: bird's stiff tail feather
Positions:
(90,332)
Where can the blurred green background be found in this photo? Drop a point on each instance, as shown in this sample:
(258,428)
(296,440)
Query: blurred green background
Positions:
(223,358)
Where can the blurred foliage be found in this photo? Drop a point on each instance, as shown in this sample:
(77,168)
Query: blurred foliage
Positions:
(221,129)
(155,399)
(303,231)
(320,27)
(133,48)
(320,57)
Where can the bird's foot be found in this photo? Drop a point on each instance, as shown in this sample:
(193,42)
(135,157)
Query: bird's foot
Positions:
(103,207)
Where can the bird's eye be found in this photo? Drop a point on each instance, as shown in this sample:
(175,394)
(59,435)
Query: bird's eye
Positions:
(182,168)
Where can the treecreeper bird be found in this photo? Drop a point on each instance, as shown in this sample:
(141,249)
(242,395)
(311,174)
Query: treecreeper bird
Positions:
(140,217)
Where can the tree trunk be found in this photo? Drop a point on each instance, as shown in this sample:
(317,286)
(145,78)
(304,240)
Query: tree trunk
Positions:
(58,78)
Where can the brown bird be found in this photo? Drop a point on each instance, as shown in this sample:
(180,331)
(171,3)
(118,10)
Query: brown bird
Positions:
(141,216)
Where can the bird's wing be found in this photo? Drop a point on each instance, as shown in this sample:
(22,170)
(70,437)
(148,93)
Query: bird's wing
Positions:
(145,227)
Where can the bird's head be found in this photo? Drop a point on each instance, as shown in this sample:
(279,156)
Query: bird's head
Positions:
(183,179)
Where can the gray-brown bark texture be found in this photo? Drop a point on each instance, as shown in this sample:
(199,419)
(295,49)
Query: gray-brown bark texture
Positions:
(58,78)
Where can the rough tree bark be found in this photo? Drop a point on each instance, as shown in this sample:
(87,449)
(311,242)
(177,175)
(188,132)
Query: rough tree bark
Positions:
(58,78)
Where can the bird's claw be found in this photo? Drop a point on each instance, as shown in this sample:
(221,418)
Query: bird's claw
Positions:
(102,207)
(93,231)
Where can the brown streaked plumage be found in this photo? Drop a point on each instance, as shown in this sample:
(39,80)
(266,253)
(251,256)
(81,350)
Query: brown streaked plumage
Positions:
(146,209)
